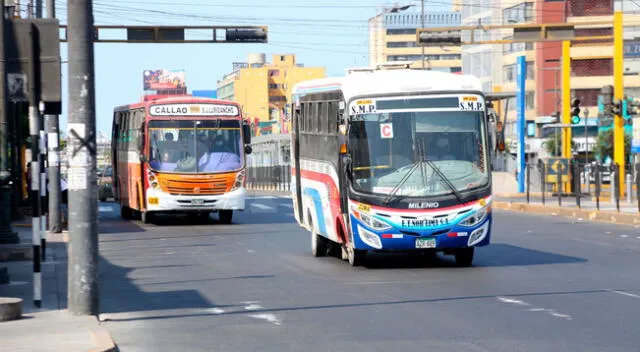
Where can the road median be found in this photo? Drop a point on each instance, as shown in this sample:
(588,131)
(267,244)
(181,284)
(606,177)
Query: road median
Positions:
(572,213)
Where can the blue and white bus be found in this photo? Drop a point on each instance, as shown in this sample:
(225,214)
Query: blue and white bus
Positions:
(392,160)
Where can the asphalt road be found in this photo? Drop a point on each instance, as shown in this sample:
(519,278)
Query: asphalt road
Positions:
(545,284)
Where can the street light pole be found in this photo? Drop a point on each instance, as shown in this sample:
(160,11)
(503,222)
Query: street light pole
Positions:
(422,23)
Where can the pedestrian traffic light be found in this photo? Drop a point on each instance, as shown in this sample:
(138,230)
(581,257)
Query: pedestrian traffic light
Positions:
(575,111)
(433,38)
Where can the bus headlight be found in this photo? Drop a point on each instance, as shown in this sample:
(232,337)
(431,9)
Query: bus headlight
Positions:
(153,181)
(239,182)
(476,218)
(372,222)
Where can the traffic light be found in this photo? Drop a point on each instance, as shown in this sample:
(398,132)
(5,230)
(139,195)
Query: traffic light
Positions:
(432,38)
(575,111)
(248,34)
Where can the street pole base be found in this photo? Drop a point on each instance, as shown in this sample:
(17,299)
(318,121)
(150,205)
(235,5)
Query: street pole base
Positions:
(9,237)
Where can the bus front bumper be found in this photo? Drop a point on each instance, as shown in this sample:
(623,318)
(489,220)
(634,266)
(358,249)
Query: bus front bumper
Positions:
(161,201)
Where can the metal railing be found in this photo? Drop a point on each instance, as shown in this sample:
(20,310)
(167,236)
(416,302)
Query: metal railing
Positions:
(590,185)
(269,178)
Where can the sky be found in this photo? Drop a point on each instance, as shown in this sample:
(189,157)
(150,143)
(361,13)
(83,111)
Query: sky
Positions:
(332,34)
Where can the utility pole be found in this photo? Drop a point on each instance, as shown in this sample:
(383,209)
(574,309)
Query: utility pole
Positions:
(53,138)
(618,94)
(36,160)
(43,169)
(83,227)
(422,23)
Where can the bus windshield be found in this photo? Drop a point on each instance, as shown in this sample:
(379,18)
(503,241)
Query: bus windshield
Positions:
(419,153)
(195,146)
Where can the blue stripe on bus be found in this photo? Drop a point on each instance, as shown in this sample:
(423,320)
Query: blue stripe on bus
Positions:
(315,195)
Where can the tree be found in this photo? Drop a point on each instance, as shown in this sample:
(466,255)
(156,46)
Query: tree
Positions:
(604,145)
(550,146)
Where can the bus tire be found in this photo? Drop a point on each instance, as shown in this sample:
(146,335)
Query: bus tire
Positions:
(146,217)
(356,257)
(319,245)
(225,216)
(464,257)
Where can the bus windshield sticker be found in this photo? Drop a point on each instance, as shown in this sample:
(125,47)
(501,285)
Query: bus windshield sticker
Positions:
(194,110)
(360,107)
(470,103)
(386,130)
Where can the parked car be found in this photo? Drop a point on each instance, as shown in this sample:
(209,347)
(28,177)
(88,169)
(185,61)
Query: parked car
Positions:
(104,184)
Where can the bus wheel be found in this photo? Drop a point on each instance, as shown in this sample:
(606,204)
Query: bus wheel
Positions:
(319,245)
(356,257)
(146,217)
(464,256)
(225,216)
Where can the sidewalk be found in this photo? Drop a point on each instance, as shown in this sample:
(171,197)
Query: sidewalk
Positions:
(51,327)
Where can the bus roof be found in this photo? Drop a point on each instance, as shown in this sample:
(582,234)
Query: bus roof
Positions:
(170,99)
(377,82)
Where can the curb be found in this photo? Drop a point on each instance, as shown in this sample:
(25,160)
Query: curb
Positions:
(572,213)
(103,340)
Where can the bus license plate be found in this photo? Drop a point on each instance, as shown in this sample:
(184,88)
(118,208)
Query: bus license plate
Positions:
(197,201)
(426,243)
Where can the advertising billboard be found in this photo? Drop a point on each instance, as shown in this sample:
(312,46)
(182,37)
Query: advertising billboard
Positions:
(164,79)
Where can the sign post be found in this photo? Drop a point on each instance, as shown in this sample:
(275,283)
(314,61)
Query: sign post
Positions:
(520,96)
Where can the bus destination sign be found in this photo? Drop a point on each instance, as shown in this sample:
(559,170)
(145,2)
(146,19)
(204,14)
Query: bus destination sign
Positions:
(194,110)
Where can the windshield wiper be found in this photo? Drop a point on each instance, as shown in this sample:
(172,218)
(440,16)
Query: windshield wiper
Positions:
(401,183)
(445,180)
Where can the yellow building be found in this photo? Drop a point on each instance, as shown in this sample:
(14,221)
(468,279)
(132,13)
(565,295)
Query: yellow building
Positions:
(392,38)
(264,89)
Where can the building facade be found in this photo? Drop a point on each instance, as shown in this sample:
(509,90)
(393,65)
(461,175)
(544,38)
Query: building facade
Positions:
(392,38)
(591,62)
(264,89)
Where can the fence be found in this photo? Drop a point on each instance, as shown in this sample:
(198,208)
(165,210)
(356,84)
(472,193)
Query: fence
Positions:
(592,184)
(269,178)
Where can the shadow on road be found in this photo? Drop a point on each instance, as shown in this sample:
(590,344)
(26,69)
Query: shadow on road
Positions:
(494,255)
(119,294)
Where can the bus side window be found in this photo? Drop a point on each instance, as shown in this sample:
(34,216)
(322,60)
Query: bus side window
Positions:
(332,117)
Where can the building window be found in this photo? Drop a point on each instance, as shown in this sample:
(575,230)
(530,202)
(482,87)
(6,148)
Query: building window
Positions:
(591,8)
(274,98)
(401,31)
(592,67)
(275,86)
(522,12)
(588,97)
(401,44)
(516,47)
(282,58)
(274,73)
(511,72)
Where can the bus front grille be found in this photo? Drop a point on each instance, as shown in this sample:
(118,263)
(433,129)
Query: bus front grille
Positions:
(216,190)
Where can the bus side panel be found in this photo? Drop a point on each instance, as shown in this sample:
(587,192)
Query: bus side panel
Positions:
(319,164)
(296,189)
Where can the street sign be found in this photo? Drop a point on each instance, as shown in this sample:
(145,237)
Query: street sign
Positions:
(557,167)
(635,141)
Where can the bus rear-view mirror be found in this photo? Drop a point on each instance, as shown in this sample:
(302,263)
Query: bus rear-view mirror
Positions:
(247,149)
(246,134)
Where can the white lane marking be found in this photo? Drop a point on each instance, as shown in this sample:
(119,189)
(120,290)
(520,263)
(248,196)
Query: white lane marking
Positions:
(512,301)
(268,317)
(104,209)
(215,310)
(287,205)
(534,309)
(625,294)
(262,206)
(17,283)
(624,236)
(251,251)
(638,237)
(253,307)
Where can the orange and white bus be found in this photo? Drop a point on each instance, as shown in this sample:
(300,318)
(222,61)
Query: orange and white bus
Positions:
(179,154)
